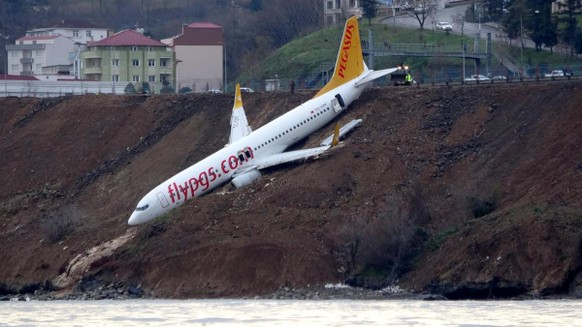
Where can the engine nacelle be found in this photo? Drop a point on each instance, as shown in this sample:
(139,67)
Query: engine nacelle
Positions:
(246,178)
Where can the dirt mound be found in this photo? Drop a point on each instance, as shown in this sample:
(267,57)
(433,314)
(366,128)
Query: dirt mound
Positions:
(465,191)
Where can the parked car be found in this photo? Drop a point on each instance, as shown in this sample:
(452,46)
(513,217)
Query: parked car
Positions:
(475,78)
(215,91)
(421,10)
(555,73)
(445,26)
(406,6)
(247,90)
(499,78)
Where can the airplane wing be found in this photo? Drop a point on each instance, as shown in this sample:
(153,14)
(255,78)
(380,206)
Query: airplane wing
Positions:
(239,127)
(280,158)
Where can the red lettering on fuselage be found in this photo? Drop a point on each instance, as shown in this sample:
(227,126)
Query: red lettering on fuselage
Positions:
(203,181)
(345,54)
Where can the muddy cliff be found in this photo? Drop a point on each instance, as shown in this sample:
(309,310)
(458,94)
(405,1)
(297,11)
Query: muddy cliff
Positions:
(466,192)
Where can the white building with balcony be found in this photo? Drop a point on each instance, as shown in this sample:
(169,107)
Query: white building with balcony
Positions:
(52,52)
(40,55)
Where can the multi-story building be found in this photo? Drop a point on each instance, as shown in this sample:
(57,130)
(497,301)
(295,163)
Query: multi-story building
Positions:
(79,31)
(560,6)
(52,51)
(337,11)
(129,56)
(37,55)
(199,53)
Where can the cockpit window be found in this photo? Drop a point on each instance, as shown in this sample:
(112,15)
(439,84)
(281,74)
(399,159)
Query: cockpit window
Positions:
(142,208)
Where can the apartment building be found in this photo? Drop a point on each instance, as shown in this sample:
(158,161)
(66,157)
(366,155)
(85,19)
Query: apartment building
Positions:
(199,51)
(52,52)
(36,55)
(129,56)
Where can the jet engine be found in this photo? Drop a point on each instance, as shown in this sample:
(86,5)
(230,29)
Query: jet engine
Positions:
(246,177)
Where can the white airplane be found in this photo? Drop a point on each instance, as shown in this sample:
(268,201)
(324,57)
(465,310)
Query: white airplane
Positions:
(248,152)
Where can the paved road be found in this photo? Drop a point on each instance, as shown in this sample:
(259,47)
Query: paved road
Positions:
(447,14)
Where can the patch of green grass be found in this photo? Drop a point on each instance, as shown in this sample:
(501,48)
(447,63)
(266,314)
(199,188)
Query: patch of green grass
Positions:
(303,58)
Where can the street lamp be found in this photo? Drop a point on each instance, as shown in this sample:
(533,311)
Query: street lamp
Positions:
(478,8)
(6,70)
(521,40)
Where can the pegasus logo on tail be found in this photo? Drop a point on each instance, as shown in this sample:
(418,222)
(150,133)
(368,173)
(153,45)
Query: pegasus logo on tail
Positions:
(345,55)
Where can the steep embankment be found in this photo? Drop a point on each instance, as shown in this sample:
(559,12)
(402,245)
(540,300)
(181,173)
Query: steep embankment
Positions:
(469,192)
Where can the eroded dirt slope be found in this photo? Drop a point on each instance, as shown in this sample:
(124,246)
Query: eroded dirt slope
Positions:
(405,187)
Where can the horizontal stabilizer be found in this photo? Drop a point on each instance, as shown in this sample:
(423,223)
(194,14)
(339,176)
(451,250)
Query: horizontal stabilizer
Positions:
(374,74)
(343,131)
(281,158)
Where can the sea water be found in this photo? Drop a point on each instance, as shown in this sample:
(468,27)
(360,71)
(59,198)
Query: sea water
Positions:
(291,313)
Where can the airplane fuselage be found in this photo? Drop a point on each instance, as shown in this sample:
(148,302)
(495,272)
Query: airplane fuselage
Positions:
(272,138)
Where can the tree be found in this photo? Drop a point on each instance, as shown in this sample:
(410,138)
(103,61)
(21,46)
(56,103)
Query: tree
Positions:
(145,88)
(569,32)
(423,10)
(370,9)
(130,89)
(166,87)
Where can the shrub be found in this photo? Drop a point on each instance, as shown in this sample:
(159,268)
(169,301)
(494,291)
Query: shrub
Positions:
(130,89)
(61,223)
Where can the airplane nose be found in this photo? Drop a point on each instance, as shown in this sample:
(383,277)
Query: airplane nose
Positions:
(136,218)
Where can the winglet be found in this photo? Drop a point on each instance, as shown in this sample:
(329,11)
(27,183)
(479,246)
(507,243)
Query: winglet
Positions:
(239,126)
(237,98)
(350,61)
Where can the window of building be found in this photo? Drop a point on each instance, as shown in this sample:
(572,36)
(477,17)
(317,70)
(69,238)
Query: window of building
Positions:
(338,4)
(14,68)
(151,63)
(150,49)
(329,20)
(164,62)
(14,54)
(134,48)
(88,33)
(75,33)
(135,78)
(135,62)
(151,78)
(352,3)
(330,5)
(38,53)
(38,67)
(115,62)
(115,78)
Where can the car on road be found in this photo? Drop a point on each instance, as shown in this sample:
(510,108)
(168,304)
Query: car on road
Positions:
(406,6)
(555,73)
(477,78)
(421,10)
(444,26)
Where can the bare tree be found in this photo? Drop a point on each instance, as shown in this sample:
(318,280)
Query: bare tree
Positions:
(422,10)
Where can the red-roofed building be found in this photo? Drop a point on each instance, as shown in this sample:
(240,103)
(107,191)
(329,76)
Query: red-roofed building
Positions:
(129,56)
(199,53)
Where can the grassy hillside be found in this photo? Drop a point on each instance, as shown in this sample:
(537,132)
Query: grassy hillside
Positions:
(303,58)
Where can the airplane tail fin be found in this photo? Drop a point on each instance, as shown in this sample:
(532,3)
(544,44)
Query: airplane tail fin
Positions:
(239,126)
(350,61)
